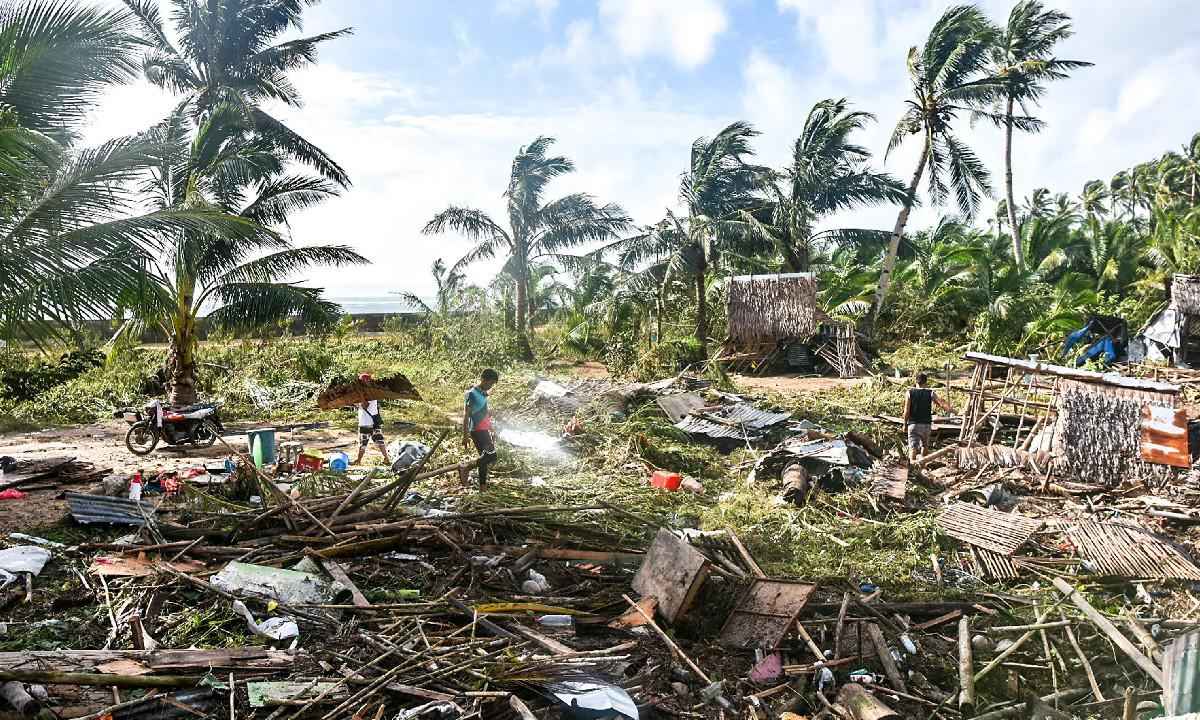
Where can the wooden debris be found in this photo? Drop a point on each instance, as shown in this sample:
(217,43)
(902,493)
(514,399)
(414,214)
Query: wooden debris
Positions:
(1127,550)
(862,705)
(1002,533)
(764,613)
(395,387)
(1146,664)
(672,572)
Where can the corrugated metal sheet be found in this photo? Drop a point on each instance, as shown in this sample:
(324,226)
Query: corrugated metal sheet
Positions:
(677,407)
(1164,439)
(1181,675)
(113,510)
(739,421)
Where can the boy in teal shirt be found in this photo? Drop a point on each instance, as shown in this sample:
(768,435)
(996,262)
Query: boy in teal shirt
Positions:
(477,422)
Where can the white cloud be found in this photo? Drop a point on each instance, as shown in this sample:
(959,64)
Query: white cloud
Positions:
(544,8)
(684,32)
(845,31)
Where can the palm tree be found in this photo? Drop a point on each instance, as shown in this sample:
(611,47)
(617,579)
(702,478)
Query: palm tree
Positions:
(947,78)
(242,279)
(536,230)
(828,173)
(221,149)
(450,283)
(229,56)
(721,191)
(69,222)
(1022,60)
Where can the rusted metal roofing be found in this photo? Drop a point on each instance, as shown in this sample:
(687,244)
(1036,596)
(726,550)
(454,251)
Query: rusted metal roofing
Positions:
(740,421)
(1164,437)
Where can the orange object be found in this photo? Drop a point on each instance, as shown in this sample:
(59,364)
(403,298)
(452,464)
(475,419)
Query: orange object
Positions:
(308,463)
(666,480)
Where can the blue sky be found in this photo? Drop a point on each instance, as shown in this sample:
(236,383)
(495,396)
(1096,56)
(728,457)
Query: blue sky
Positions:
(427,102)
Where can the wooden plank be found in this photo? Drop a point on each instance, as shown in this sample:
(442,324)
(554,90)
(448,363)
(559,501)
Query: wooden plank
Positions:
(337,572)
(1089,376)
(1164,438)
(885,657)
(672,572)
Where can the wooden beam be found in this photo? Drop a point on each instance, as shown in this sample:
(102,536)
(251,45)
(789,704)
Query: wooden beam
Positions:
(1106,626)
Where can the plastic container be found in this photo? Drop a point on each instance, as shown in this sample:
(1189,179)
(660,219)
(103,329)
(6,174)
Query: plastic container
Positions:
(339,462)
(262,446)
(666,480)
(135,487)
(307,462)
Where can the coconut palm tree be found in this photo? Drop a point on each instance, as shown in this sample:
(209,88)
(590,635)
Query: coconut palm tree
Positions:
(450,283)
(70,217)
(221,149)
(240,281)
(536,229)
(947,76)
(828,173)
(1022,61)
(230,54)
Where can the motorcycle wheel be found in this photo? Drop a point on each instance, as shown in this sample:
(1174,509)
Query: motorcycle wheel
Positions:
(141,438)
(206,434)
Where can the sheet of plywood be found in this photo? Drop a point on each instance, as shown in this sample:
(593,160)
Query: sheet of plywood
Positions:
(1164,439)
(764,613)
(672,572)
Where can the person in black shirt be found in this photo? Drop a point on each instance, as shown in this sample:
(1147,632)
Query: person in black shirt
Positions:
(918,416)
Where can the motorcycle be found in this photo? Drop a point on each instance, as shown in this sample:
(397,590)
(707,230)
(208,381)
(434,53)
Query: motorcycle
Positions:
(195,425)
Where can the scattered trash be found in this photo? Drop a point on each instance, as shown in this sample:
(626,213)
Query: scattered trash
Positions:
(12,494)
(276,628)
(24,559)
(290,587)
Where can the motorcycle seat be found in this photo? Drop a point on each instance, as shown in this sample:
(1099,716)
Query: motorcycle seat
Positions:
(188,409)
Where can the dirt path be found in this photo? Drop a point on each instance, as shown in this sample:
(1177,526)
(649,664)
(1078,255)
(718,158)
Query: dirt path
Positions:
(103,445)
(794,384)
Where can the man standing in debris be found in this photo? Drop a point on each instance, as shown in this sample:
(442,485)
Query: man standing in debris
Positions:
(370,427)
(918,416)
(477,422)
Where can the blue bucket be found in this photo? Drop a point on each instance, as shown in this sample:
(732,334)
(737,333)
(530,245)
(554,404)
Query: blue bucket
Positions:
(262,446)
(339,462)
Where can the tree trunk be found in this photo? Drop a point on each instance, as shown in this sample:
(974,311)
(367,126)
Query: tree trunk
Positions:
(795,255)
(181,370)
(1013,228)
(524,349)
(702,310)
(889,261)
(181,353)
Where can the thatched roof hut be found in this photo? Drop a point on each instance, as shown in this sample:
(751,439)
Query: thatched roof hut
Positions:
(1185,293)
(770,308)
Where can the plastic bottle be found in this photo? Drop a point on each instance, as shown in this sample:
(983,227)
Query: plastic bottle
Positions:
(556,621)
(135,487)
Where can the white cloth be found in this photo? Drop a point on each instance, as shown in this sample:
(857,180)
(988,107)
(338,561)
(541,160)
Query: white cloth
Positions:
(366,418)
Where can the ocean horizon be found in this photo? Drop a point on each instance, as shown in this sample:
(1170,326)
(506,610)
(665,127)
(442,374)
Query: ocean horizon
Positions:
(371,304)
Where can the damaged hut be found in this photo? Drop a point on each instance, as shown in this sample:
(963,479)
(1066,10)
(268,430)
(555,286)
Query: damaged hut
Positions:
(1071,425)
(774,319)
(1167,336)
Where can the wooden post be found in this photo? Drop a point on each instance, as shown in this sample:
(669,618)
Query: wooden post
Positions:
(1130,710)
(841,624)
(1146,664)
(966,669)
(885,657)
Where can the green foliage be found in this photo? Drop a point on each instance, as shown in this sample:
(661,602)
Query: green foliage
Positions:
(20,380)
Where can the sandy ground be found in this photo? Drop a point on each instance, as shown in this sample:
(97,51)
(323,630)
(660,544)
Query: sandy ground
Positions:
(103,445)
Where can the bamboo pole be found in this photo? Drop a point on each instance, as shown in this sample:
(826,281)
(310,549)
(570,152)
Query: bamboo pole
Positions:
(1146,664)
(1087,666)
(966,677)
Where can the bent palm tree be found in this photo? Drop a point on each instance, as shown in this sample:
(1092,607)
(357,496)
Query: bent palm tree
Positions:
(1022,61)
(828,173)
(946,75)
(536,229)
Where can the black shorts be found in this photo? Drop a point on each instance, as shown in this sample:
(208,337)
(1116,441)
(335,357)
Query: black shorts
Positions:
(367,435)
(483,442)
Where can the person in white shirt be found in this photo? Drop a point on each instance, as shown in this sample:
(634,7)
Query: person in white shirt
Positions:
(370,427)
